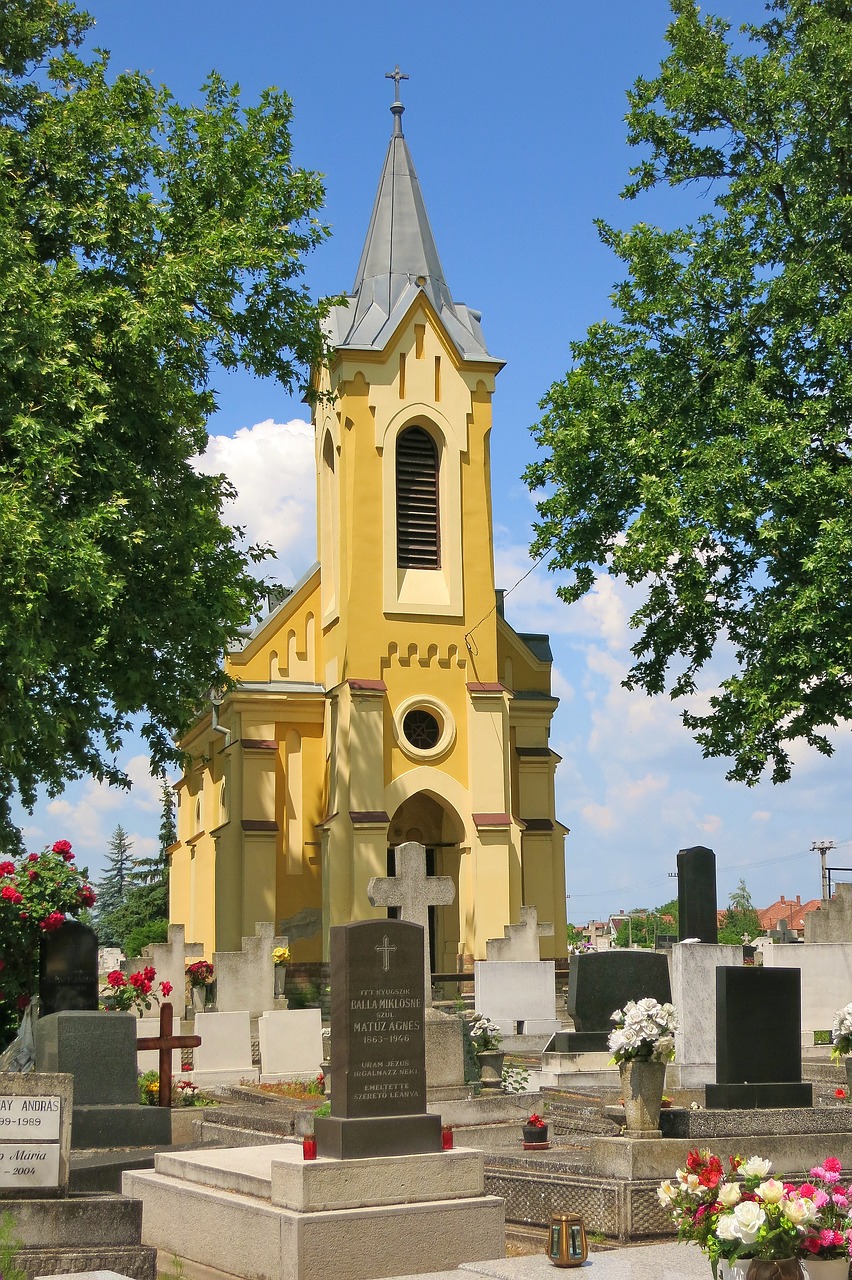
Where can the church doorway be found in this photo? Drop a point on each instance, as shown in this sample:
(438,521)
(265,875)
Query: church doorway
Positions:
(429,821)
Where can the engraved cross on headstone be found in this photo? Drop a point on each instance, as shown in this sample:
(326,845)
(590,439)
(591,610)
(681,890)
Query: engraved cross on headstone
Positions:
(414,892)
(386,948)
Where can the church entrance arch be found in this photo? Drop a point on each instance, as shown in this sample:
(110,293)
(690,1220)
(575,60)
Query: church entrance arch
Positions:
(430,821)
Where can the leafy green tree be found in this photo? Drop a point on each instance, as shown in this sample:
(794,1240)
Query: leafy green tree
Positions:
(143,934)
(740,917)
(700,446)
(142,243)
(643,926)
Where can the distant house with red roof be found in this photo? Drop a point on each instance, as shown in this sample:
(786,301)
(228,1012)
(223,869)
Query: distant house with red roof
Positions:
(792,912)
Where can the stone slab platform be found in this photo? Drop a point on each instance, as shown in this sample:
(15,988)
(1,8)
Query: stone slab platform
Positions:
(647,1262)
(790,1153)
(235,1227)
(81,1233)
(681,1123)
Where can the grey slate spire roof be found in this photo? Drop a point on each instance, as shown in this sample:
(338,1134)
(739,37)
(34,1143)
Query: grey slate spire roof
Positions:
(399,260)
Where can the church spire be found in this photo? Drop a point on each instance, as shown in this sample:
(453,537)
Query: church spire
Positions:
(399,259)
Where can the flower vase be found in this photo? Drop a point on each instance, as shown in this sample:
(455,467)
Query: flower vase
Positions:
(825,1268)
(535,1134)
(642,1084)
(280,976)
(491,1067)
(737,1270)
(847,1062)
(198,996)
(775,1269)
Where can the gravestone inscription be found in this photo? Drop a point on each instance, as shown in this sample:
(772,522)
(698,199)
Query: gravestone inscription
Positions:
(378,1043)
(68,969)
(35,1134)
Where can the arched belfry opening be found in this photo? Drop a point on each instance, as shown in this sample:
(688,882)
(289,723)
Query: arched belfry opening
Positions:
(418,519)
(432,822)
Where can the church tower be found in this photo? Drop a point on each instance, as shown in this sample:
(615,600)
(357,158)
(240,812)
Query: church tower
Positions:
(386,699)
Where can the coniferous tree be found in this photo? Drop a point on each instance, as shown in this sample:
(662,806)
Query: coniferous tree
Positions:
(114,887)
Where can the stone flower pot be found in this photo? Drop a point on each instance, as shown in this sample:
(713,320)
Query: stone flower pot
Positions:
(491,1067)
(280,979)
(642,1089)
(198,996)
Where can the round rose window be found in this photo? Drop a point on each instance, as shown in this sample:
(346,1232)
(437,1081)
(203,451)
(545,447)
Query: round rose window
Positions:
(421,729)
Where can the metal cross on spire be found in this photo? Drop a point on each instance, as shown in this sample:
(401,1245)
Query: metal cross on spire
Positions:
(396,106)
(396,75)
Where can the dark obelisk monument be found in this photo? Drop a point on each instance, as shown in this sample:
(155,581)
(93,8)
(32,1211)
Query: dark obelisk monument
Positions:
(696,894)
(378,1044)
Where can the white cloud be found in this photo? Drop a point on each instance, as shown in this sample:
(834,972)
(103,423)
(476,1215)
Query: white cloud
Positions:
(761,815)
(272,467)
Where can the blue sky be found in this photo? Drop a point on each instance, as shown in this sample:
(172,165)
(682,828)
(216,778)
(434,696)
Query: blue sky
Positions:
(514,116)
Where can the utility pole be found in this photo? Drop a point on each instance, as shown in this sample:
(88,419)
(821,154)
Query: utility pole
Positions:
(822,847)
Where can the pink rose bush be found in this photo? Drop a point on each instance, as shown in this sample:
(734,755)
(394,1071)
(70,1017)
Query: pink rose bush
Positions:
(744,1213)
(38,891)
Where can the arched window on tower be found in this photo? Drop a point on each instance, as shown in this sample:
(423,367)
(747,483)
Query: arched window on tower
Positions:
(418,528)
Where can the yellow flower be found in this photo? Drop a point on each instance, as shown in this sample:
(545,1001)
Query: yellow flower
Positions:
(280,955)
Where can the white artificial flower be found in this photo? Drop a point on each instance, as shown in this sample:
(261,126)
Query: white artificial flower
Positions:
(729,1194)
(726,1227)
(749,1219)
(647,1004)
(799,1211)
(755,1167)
(666,1193)
(771,1191)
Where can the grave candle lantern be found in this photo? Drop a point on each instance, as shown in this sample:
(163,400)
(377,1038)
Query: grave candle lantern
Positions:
(309,1147)
(566,1242)
(447,1137)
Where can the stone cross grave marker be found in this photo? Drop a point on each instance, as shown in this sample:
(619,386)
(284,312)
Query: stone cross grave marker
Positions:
(166,1041)
(68,969)
(414,892)
(35,1134)
(519,941)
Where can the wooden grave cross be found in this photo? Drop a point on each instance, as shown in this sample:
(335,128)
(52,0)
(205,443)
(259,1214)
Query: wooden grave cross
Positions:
(166,1043)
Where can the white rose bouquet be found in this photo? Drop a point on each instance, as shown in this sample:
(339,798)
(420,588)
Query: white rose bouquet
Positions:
(643,1029)
(841,1033)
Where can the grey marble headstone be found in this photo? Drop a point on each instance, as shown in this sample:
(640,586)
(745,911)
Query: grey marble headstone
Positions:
(378,1046)
(68,969)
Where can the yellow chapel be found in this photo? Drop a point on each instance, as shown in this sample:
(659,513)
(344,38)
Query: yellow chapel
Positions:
(386,699)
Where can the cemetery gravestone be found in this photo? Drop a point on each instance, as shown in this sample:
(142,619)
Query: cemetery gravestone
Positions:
(68,969)
(378,1053)
(224,1055)
(696,895)
(35,1134)
(600,982)
(758,1040)
(290,1045)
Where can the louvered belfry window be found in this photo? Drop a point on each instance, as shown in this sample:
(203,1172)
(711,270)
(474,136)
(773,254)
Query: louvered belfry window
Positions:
(418,529)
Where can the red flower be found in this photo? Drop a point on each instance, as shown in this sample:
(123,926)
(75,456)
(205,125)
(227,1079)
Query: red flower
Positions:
(839,1093)
(32,873)
(23,915)
(86,896)
(807,1190)
(23,1001)
(54,921)
(832,1164)
(61,846)
(149,973)
(811,1243)
(116,979)
(11,894)
(33,857)
(166,988)
(7,868)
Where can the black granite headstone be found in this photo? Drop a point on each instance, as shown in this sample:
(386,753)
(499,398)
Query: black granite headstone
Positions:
(599,982)
(68,969)
(758,1040)
(696,894)
(378,1044)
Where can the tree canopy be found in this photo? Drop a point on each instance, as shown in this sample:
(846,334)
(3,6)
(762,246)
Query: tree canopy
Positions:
(740,918)
(142,242)
(699,446)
